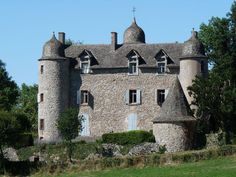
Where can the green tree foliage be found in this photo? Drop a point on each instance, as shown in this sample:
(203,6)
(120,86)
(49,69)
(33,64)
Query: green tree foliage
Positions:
(27,106)
(215,96)
(8,89)
(8,129)
(69,126)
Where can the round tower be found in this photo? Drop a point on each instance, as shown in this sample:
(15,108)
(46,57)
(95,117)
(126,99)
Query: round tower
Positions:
(52,89)
(192,63)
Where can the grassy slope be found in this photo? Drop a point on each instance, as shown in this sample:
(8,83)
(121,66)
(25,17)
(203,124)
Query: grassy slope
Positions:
(221,167)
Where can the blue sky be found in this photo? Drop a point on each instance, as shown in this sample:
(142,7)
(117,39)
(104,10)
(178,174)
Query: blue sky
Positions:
(25,25)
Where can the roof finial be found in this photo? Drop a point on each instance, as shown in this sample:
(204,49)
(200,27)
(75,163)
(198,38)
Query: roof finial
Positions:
(134,10)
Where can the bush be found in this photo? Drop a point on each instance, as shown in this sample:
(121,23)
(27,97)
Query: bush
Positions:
(21,140)
(130,137)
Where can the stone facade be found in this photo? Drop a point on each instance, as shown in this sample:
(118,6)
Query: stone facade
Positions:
(107,110)
(107,72)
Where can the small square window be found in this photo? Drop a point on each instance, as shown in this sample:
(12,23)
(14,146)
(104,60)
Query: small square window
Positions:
(41,69)
(160,97)
(41,97)
(84,97)
(41,126)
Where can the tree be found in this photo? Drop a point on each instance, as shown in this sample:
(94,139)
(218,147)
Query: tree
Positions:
(8,129)
(27,104)
(8,89)
(215,96)
(69,126)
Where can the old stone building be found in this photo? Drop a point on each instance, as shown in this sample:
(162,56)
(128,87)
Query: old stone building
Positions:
(119,87)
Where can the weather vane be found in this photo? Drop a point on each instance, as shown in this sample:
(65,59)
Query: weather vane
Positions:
(134,10)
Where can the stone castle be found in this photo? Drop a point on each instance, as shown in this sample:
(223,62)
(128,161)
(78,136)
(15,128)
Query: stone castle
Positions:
(121,87)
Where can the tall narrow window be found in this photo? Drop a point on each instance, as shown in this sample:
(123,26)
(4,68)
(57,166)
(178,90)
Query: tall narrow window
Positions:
(41,69)
(133,65)
(84,97)
(160,97)
(41,97)
(41,126)
(161,65)
(132,96)
(202,66)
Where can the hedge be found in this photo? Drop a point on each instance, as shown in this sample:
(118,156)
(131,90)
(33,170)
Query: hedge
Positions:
(130,137)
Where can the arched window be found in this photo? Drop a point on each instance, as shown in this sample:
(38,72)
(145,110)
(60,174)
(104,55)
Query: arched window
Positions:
(85,125)
(132,121)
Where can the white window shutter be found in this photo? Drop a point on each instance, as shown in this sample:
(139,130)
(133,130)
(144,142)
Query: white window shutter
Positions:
(78,101)
(132,122)
(127,97)
(166,92)
(38,97)
(156,99)
(138,96)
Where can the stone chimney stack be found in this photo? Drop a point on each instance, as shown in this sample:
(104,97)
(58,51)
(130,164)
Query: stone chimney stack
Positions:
(61,37)
(113,40)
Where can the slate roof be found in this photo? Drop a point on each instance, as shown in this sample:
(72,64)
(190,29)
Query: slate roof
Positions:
(108,58)
(52,49)
(175,108)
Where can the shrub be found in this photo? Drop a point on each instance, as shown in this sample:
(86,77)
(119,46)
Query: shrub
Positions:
(130,137)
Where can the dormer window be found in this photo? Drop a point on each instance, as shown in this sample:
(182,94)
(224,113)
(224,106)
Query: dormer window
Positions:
(161,65)
(162,61)
(86,61)
(133,62)
(85,65)
(133,65)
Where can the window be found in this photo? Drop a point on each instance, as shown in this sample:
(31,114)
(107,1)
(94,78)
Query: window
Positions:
(160,97)
(161,65)
(84,97)
(133,97)
(41,97)
(133,65)
(41,69)
(84,67)
(132,121)
(41,124)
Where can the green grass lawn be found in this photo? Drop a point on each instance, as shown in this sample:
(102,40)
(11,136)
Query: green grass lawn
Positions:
(220,167)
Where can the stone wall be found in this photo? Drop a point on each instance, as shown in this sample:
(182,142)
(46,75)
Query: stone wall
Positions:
(107,110)
(175,136)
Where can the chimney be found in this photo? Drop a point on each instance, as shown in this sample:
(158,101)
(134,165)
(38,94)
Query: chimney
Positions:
(113,40)
(61,37)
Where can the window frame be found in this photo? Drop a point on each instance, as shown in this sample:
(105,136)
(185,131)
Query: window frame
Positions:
(41,69)
(133,97)
(84,97)
(164,61)
(134,59)
(160,96)
(41,124)
(41,97)
(85,60)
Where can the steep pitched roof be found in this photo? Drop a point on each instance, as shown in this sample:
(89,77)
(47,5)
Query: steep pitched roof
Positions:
(175,108)
(108,58)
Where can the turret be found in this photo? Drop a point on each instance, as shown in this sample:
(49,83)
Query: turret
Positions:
(134,34)
(53,89)
(192,63)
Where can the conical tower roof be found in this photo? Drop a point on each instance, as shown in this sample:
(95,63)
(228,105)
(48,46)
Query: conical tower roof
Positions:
(52,49)
(175,108)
